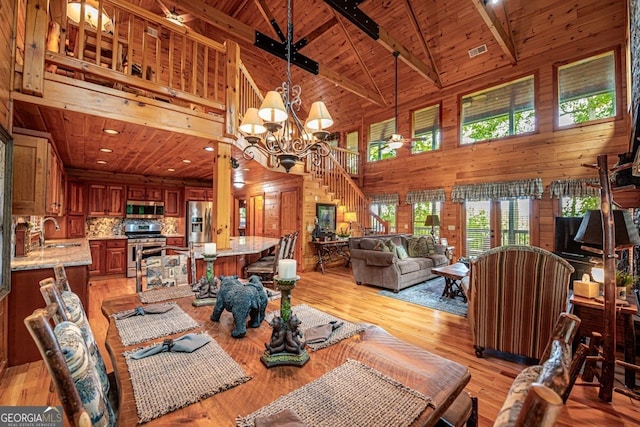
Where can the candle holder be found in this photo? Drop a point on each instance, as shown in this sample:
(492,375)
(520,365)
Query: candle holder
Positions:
(285,347)
(207,286)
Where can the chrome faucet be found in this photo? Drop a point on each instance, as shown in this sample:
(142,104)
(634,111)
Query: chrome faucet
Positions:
(49,218)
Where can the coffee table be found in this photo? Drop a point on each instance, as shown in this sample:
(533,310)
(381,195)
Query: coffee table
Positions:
(453,275)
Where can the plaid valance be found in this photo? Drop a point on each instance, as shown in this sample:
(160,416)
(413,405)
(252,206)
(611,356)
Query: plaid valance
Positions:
(585,187)
(385,199)
(419,196)
(526,188)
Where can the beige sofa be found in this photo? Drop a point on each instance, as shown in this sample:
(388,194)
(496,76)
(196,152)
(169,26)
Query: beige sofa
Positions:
(386,269)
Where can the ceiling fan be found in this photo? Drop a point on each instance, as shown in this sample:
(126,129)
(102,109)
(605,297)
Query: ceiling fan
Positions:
(173,16)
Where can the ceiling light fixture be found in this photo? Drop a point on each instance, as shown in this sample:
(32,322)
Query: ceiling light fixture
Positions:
(171,170)
(286,137)
(106,150)
(209,148)
(238,184)
(90,14)
(186,161)
(101,162)
(396,139)
(111,131)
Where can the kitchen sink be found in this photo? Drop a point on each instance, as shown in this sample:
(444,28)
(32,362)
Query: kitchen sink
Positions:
(62,245)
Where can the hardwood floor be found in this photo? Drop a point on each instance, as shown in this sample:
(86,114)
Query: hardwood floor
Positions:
(335,292)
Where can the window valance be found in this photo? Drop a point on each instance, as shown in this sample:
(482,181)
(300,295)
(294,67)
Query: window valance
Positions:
(526,188)
(385,199)
(419,196)
(584,187)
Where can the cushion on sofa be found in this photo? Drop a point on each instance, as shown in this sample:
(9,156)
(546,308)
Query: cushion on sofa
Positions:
(378,259)
(417,247)
(439,259)
(368,244)
(408,265)
(431,245)
(425,263)
(381,246)
(401,252)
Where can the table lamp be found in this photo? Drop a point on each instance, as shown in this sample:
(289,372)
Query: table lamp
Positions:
(433,221)
(590,230)
(350,217)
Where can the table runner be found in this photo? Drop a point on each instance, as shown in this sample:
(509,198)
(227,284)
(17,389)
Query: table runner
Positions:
(312,317)
(168,381)
(353,394)
(137,329)
(163,294)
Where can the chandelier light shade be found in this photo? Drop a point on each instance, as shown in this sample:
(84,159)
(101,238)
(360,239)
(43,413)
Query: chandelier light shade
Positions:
(90,14)
(590,232)
(285,136)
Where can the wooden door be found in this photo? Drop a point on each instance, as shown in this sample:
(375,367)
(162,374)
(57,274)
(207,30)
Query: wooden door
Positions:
(289,214)
(257,216)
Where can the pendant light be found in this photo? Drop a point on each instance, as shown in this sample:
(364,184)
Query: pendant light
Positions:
(396,139)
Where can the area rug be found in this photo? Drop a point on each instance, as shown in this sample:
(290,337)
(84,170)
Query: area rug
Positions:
(168,381)
(429,294)
(353,394)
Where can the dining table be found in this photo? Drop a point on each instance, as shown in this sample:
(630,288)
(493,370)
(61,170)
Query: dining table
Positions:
(436,377)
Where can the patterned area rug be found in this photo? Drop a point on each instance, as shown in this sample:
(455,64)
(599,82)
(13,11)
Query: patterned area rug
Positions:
(429,294)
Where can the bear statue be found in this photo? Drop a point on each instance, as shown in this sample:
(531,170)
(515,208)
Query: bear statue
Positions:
(242,301)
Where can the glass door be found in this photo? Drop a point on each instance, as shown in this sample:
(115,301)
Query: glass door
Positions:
(478,230)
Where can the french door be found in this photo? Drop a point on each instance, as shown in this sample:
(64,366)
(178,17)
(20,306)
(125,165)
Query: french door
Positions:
(489,224)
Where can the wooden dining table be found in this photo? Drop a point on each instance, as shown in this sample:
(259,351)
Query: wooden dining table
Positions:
(436,377)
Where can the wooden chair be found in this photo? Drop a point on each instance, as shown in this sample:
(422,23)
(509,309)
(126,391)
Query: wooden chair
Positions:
(267,268)
(96,405)
(291,246)
(182,265)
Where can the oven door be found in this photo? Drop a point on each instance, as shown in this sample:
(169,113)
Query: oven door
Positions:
(131,256)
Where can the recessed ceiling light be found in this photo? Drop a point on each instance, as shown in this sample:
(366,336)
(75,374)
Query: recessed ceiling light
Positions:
(209,148)
(101,162)
(111,131)
(186,161)
(106,150)
(171,170)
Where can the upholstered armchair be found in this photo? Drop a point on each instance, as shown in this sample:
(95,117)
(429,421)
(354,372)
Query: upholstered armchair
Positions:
(516,293)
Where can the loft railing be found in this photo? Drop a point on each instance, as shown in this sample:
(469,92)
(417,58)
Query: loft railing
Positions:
(348,159)
(137,52)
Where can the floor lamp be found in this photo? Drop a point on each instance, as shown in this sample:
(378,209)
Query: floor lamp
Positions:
(432,221)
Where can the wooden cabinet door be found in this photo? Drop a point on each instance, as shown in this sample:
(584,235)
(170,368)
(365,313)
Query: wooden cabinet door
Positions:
(153,194)
(115,200)
(29,175)
(174,241)
(115,257)
(75,226)
(173,202)
(76,198)
(97,257)
(195,193)
(135,193)
(96,200)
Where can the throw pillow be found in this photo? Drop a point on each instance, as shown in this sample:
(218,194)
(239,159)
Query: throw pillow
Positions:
(401,252)
(368,244)
(417,247)
(392,246)
(380,246)
(431,245)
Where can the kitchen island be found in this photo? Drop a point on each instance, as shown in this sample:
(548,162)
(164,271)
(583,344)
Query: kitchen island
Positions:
(25,296)
(230,261)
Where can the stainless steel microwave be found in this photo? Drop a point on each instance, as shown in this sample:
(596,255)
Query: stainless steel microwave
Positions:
(144,209)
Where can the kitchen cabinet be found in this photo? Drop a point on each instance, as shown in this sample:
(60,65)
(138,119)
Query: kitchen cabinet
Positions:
(115,256)
(173,202)
(174,241)
(108,257)
(198,193)
(106,200)
(97,257)
(38,177)
(75,226)
(144,193)
(76,198)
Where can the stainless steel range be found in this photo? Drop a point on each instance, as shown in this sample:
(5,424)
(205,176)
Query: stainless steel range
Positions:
(148,234)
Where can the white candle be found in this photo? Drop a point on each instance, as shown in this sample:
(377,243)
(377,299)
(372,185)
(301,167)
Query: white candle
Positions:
(287,268)
(209,248)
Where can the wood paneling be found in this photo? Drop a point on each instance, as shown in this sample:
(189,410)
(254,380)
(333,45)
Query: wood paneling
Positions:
(6,58)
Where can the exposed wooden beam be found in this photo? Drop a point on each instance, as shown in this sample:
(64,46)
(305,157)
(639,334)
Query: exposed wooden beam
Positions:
(320,30)
(425,47)
(383,37)
(213,16)
(504,40)
(271,20)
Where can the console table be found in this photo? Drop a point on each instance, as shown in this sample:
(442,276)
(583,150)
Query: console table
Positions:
(330,251)
(434,376)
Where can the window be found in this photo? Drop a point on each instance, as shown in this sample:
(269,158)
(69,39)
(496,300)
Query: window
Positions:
(420,212)
(387,212)
(514,222)
(587,90)
(478,229)
(498,112)
(426,127)
(379,134)
(352,156)
(578,206)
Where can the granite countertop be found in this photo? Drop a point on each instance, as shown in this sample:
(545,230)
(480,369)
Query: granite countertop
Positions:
(241,245)
(71,252)
(110,237)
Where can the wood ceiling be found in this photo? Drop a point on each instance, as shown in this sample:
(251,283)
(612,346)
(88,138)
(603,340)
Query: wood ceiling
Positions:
(356,72)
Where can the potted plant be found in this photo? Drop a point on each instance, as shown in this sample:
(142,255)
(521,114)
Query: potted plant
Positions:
(343,233)
(624,283)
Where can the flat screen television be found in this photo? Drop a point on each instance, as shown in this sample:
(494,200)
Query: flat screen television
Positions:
(566,229)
